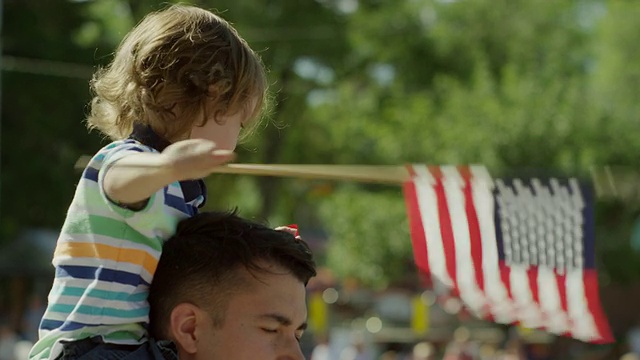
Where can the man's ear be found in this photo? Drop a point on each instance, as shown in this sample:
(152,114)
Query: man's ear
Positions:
(183,325)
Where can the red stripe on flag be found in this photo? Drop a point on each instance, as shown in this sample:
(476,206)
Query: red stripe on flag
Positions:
(504,276)
(561,280)
(593,302)
(446,230)
(474,227)
(532,274)
(418,237)
(475,237)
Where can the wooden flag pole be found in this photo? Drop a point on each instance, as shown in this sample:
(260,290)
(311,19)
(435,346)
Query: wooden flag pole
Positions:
(386,174)
(608,182)
(389,174)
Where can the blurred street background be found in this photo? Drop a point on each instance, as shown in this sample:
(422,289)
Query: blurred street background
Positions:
(510,84)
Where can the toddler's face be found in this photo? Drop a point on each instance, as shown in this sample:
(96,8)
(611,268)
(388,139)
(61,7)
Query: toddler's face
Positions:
(224,130)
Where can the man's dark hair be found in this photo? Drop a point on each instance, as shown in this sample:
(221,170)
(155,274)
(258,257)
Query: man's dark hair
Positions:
(199,263)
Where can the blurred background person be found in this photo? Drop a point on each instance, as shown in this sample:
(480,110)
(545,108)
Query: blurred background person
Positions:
(423,351)
(321,351)
(8,340)
(630,356)
(357,350)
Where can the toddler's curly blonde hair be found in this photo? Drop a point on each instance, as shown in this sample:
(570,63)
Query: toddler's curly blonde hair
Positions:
(176,69)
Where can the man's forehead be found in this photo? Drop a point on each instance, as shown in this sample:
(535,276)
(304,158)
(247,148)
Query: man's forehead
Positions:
(273,291)
(263,271)
(269,277)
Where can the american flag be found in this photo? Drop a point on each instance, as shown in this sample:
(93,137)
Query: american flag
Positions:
(514,250)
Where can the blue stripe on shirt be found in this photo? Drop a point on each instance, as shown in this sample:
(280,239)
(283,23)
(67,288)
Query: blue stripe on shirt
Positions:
(47,324)
(102,274)
(90,174)
(135,148)
(176,202)
(193,210)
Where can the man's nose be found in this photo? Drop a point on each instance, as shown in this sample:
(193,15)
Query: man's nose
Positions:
(291,351)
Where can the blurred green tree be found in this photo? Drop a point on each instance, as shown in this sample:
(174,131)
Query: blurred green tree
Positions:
(44,95)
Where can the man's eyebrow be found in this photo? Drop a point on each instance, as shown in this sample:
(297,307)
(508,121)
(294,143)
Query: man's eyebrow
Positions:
(282,320)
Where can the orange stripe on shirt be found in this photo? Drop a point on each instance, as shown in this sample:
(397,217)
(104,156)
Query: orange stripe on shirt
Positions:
(107,252)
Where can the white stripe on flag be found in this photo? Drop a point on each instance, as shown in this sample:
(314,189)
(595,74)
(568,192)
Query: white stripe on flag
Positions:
(549,296)
(527,309)
(513,232)
(556,321)
(428,204)
(497,297)
(465,272)
(584,326)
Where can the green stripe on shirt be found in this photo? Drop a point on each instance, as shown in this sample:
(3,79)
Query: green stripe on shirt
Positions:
(101,225)
(99,294)
(99,311)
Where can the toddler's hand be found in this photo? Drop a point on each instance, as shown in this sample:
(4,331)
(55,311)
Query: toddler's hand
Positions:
(195,158)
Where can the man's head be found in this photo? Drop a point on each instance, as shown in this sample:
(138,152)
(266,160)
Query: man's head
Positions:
(226,287)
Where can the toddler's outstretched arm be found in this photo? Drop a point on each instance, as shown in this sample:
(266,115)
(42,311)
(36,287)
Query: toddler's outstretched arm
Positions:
(133,179)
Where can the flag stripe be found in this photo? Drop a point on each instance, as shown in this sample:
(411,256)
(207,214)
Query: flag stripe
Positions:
(522,296)
(505,275)
(561,280)
(454,194)
(418,236)
(593,304)
(583,326)
(482,198)
(446,232)
(430,218)
(474,229)
(532,274)
(550,300)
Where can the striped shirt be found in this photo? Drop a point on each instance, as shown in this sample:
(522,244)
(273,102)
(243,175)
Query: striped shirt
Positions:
(105,258)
